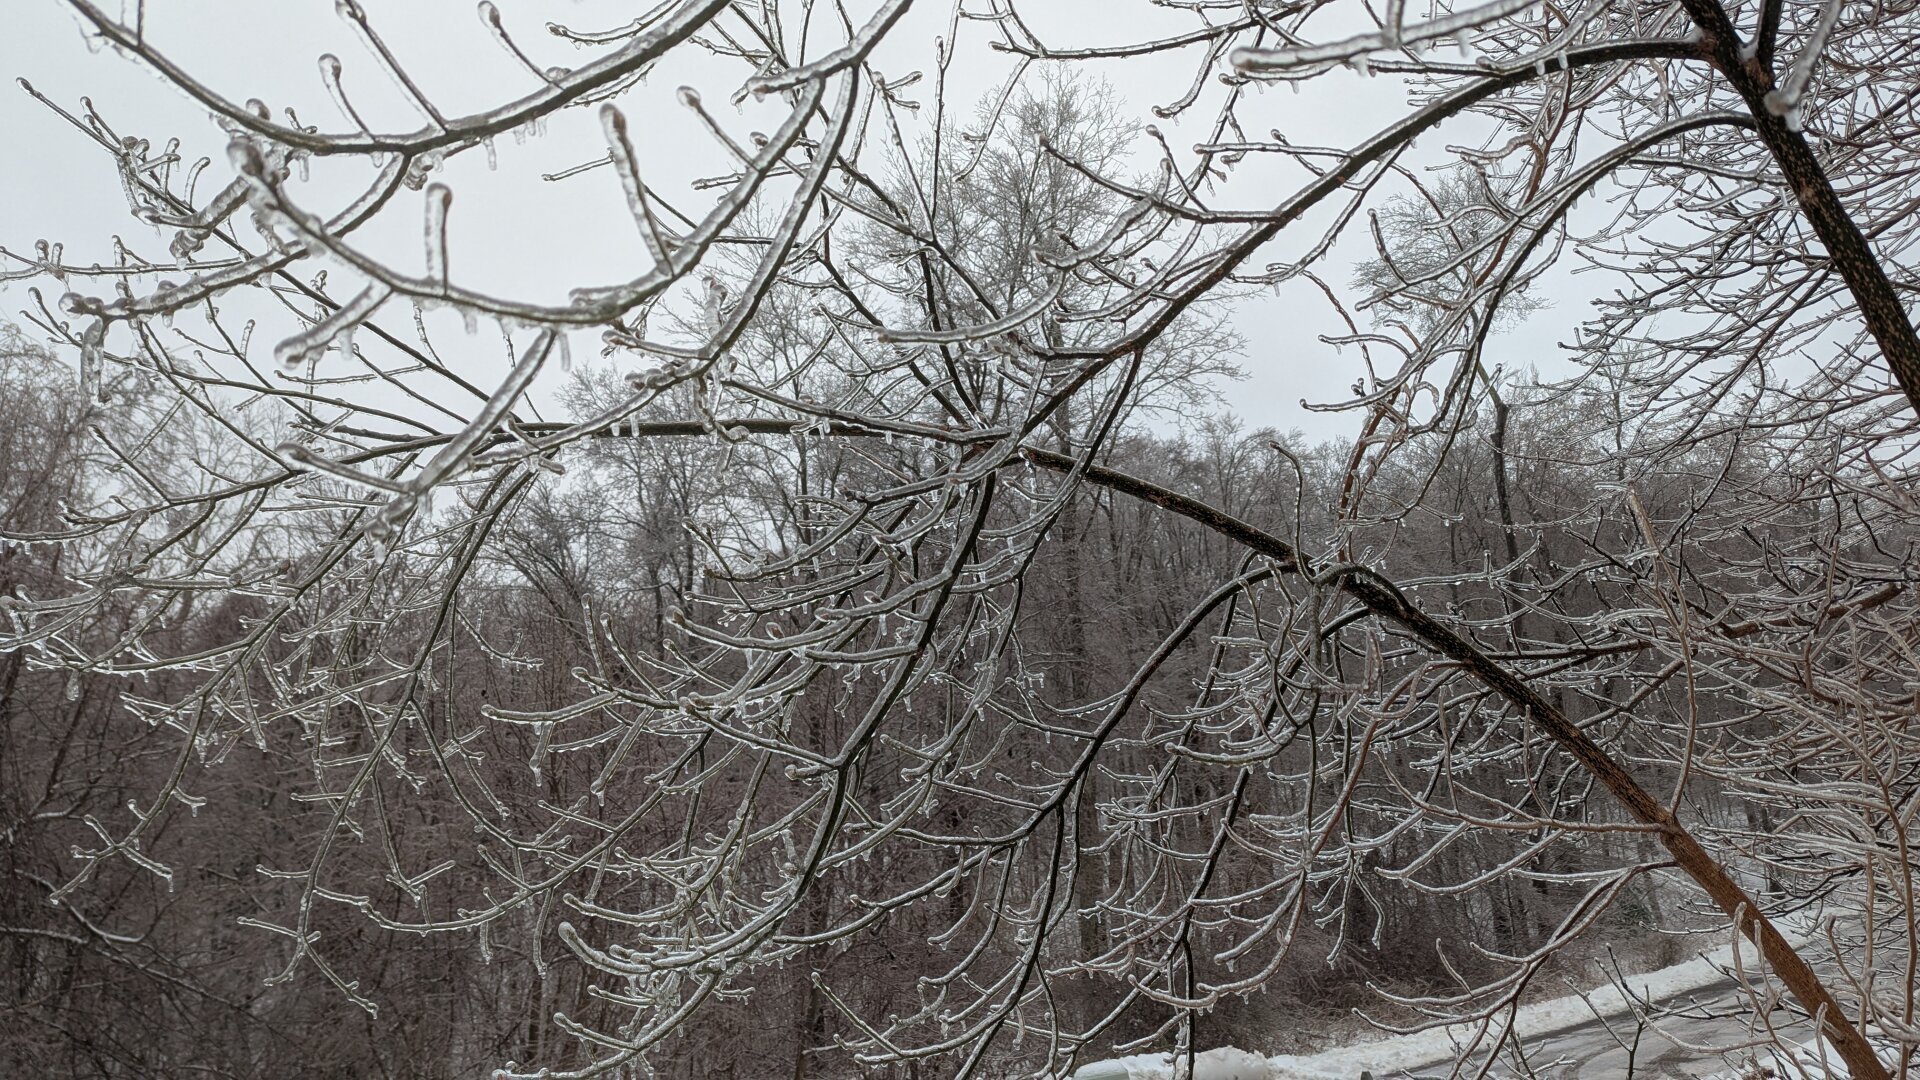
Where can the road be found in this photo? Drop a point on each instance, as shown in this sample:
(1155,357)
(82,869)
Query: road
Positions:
(1704,1030)
(1687,1044)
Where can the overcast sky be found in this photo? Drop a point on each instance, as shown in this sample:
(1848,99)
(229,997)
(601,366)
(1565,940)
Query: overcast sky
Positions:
(516,234)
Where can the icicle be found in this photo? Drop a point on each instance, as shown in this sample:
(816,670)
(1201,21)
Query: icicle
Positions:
(439,198)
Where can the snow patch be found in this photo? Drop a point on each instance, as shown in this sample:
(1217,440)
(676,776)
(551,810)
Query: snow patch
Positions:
(1435,1046)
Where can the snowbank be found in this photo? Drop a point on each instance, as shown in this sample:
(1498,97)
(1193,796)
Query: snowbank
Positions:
(1389,1056)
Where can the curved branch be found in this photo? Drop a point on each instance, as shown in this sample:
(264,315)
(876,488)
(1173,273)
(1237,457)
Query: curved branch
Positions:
(606,71)
(1847,247)
(1381,597)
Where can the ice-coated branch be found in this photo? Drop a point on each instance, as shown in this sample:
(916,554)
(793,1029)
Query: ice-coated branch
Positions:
(1784,100)
(1260,62)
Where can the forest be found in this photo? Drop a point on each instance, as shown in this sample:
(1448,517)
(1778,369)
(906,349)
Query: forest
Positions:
(707,544)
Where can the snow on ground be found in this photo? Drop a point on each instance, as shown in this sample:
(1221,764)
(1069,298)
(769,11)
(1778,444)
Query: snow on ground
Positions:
(1388,1056)
(1816,1060)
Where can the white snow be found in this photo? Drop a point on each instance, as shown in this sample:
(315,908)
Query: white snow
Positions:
(1223,1063)
(1817,1060)
(1388,1056)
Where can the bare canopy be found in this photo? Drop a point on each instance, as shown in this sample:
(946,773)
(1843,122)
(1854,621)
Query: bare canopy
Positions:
(881,661)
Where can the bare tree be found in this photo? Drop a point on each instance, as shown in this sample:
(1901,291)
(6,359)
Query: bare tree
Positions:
(874,403)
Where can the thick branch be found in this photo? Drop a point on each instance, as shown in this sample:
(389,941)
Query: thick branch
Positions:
(1381,597)
(1846,245)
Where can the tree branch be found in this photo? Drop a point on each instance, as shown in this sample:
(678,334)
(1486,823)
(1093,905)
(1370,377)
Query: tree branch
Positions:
(1379,595)
(1847,247)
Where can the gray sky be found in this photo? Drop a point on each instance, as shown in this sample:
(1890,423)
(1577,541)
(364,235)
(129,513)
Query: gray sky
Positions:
(515,234)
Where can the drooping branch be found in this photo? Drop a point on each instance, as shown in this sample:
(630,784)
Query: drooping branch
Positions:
(574,86)
(1378,595)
